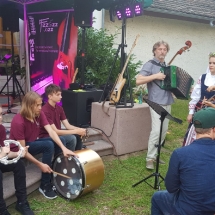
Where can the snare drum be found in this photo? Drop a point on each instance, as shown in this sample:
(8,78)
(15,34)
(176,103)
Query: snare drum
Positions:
(86,172)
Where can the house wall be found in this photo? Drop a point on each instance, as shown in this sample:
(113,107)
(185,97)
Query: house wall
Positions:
(175,32)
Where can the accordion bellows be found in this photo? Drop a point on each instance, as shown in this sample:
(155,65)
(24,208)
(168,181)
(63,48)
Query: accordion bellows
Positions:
(177,81)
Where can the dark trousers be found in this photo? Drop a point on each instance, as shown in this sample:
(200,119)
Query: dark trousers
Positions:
(79,143)
(18,170)
(46,147)
(70,141)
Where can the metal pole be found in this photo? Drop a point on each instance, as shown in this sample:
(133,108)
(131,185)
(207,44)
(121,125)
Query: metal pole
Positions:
(13,66)
(83,67)
(28,85)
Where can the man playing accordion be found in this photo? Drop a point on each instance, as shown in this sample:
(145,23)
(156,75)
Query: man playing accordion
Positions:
(150,74)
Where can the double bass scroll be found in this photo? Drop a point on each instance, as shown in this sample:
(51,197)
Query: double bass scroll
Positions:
(188,44)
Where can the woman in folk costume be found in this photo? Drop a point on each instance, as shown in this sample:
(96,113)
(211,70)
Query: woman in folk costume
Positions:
(202,95)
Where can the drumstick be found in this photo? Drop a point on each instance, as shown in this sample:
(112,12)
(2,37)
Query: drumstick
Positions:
(65,176)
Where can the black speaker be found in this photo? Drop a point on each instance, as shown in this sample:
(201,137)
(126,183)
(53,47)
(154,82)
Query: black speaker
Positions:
(83,13)
(10,19)
(77,106)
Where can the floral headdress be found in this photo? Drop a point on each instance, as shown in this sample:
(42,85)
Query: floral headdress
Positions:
(211,54)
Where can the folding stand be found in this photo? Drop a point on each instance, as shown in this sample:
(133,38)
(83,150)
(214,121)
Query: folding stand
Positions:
(13,76)
(5,59)
(164,114)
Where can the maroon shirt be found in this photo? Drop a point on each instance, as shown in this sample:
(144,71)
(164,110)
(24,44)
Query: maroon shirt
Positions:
(23,129)
(54,116)
(2,135)
(13,147)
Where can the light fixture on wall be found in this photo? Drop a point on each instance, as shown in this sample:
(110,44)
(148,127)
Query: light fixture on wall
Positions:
(1,35)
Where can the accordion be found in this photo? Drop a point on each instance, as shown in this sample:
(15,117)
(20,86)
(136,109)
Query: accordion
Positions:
(177,81)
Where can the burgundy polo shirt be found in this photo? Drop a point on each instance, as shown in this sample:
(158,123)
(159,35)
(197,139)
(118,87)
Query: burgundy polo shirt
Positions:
(13,147)
(23,129)
(2,135)
(54,116)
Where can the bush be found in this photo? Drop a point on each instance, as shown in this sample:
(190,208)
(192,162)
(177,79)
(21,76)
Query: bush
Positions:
(99,58)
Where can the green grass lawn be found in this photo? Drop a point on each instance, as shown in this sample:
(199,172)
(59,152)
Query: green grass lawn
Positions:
(116,195)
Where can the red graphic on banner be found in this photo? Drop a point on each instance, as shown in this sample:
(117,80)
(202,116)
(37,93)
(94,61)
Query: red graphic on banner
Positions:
(63,70)
(52,49)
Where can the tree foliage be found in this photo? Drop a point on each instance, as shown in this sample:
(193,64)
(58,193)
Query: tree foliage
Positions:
(100,55)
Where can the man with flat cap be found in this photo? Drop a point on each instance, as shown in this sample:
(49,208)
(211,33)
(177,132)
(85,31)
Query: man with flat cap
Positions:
(190,179)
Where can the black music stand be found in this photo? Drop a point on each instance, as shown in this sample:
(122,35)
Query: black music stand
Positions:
(164,114)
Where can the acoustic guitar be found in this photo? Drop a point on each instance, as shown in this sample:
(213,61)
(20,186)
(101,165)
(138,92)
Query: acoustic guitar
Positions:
(62,71)
(120,82)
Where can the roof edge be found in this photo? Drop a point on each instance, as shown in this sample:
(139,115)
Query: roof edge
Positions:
(179,14)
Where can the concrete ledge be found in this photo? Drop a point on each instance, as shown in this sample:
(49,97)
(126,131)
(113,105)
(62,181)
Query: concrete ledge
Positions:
(130,127)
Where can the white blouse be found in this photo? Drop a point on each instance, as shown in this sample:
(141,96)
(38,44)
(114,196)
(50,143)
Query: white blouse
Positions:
(196,93)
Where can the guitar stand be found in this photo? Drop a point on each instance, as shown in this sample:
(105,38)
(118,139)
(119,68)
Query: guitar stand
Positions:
(121,47)
(164,114)
(111,70)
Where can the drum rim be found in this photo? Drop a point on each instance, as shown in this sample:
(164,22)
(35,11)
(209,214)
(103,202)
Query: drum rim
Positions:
(63,194)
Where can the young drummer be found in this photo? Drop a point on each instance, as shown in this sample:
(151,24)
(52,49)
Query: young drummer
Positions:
(18,170)
(55,115)
(25,128)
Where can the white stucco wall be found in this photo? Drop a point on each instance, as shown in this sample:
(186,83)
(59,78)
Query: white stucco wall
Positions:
(99,21)
(176,33)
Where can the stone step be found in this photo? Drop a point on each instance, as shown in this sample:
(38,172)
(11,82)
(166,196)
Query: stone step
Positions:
(26,162)
(93,134)
(95,141)
(101,147)
(33,173)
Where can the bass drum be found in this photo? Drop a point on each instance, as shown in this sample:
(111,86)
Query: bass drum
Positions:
(86,173)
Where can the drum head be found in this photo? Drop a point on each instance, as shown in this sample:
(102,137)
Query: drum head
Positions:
(68,188)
